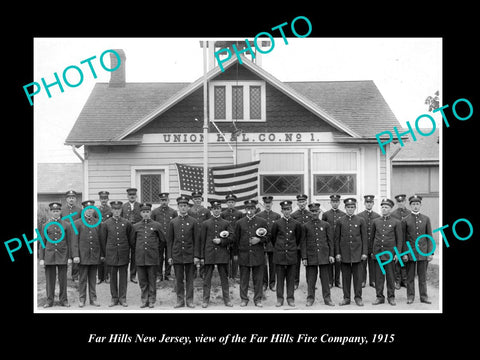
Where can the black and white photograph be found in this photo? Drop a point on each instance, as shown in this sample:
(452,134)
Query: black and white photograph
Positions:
(291,134)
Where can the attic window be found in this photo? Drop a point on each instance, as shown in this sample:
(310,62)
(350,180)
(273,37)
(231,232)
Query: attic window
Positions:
(237,101)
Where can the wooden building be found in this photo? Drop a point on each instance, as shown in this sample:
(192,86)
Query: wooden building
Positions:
(312,137)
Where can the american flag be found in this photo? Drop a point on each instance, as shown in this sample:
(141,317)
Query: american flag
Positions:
(240,179)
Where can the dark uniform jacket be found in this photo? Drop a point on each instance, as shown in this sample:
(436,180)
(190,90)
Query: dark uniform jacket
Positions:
(209,251)
(248,254)
(115,236)
(199,213)
(106,212)
(317,242)
(413,226)
(369,216)
(332,216)
(351,240)
(67,210)
(271,217)
(302,216)
(400,214)
(58,253)
(183,238)
(145,239)
(86,244)
(285,237)
(131,215)
(386,234)
(232,215)
(164,215)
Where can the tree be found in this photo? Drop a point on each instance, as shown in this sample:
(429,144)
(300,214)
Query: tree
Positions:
(433,102)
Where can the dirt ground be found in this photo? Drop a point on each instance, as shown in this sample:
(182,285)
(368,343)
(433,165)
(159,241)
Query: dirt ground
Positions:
(166,297)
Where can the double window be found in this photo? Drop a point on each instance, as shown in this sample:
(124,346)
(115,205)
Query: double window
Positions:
(237,101)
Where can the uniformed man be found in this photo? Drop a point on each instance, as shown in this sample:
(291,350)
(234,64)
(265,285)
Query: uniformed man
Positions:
(88,253)
(106,211)
(183,252)
(56,255)
(145,239)
(302,215)
(285,237)
(163,215)
(200,213)
(71,207)
(317,253)
(232,215)
(131,212)
(400,213)
(216,235)
(115,234)
(269,270)
(369,215)
(415,225)
(249,246)
(386,234)
(332,216)
(351,247)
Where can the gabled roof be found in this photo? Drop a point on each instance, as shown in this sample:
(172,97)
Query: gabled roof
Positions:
(425,150)
(356,108)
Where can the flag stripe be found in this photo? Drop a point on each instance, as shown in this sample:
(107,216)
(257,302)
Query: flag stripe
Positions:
(241,179)
(234,181)
(225,175)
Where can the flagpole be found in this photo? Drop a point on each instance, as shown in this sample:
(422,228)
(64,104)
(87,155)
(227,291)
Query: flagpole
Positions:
(205,126)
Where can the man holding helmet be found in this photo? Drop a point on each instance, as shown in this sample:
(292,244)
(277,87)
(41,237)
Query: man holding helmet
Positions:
(215,237)
(250,235)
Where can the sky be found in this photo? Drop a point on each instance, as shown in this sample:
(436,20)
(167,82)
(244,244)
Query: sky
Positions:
(405,70)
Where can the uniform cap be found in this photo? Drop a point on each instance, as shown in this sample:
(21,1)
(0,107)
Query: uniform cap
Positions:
(70,193)
(231,196)
(103,194)
(267,199)
(117,204)
(400,197)
(196,194)
(182,200)
(387,202)
(88,203)
(369,197)
(250,203)
(215,204)
(131,191)
(314,206)
(350,201)
(413,198)
(55,206)
(286,204)
(163,195)
(145,206)
(302,197)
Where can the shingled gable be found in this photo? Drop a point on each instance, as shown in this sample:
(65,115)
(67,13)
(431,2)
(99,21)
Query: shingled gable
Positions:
(111,115)
(307,103)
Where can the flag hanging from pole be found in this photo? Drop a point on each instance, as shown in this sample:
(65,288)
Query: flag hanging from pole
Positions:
(240,179)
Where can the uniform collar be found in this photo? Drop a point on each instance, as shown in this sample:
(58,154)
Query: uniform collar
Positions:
(386,217)
(416,213)
(55,219)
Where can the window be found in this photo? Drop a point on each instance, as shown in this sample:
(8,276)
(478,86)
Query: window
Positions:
(237,100)
(150,186)
(343,184)
(281,184)
(334,172)
(150,180)
(220,104)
